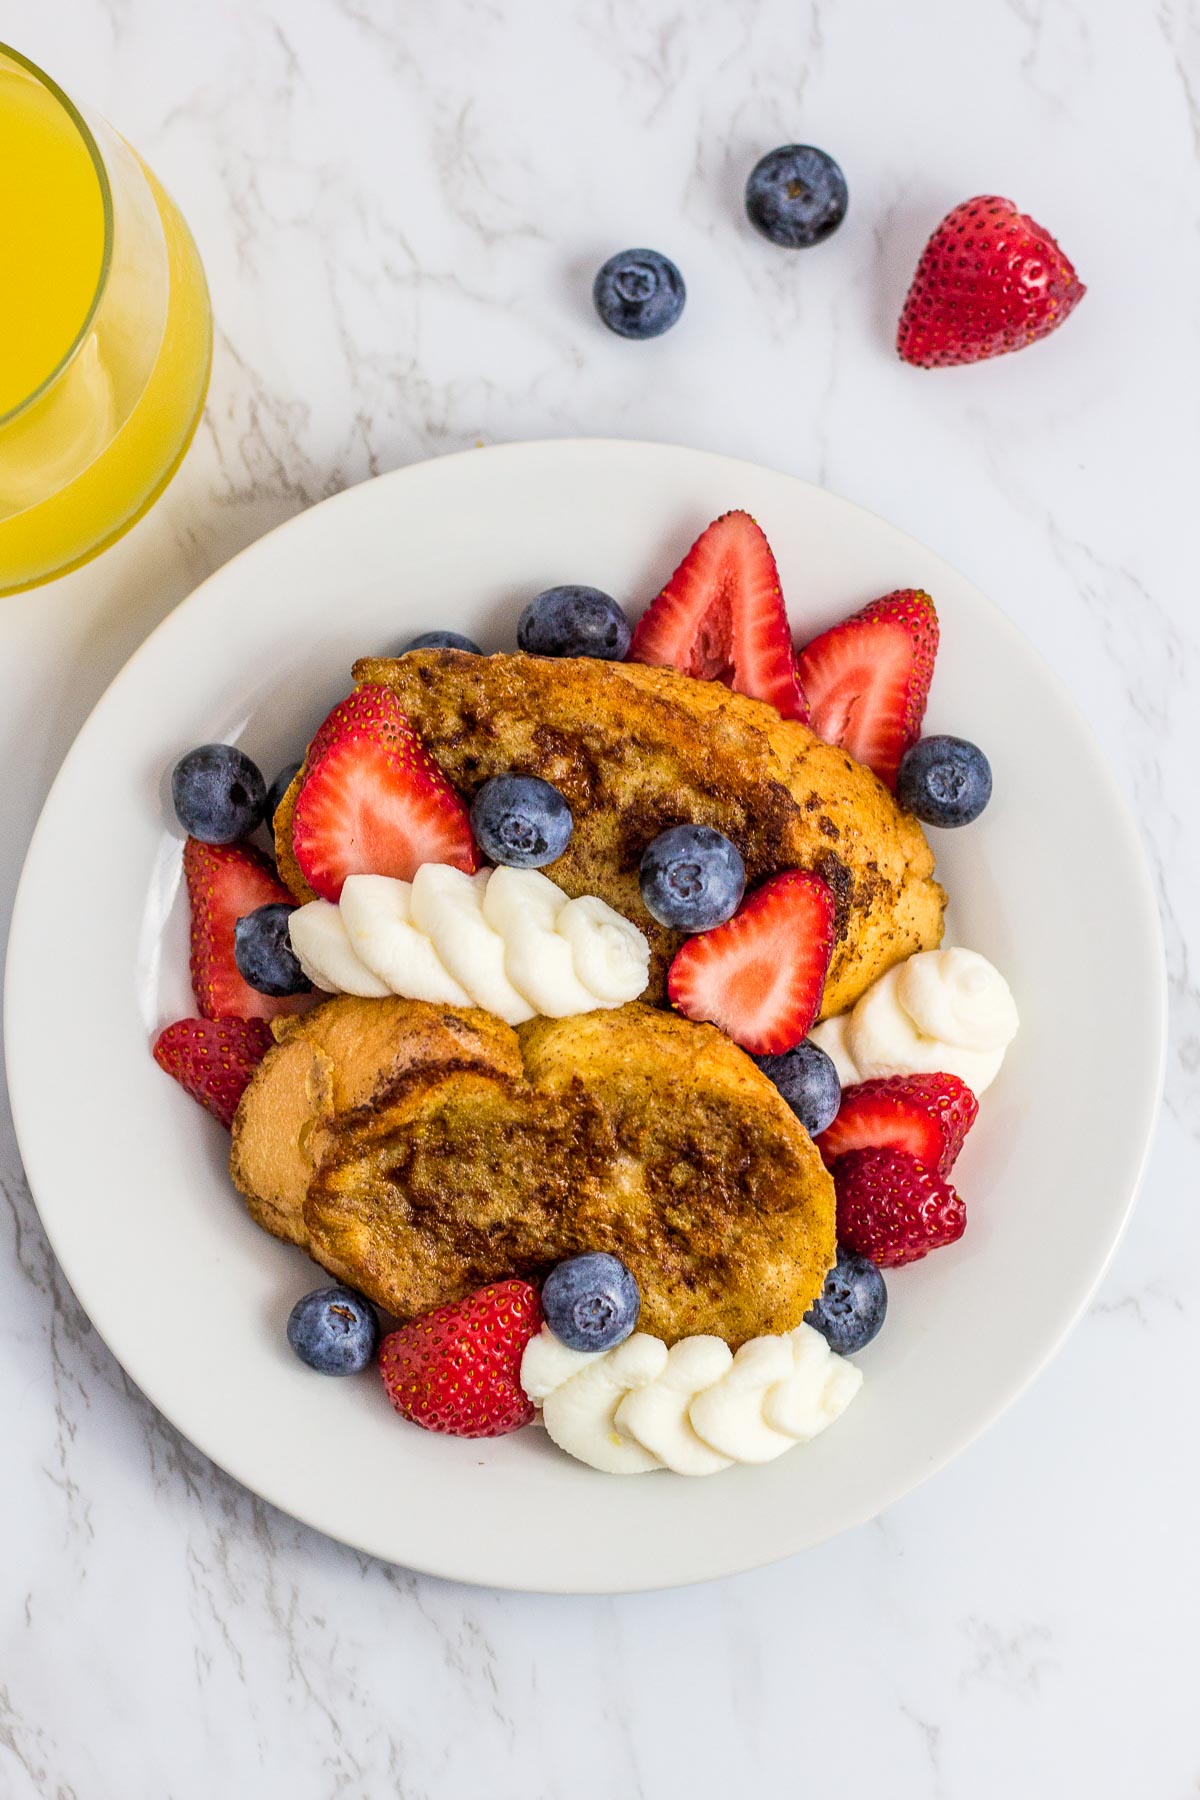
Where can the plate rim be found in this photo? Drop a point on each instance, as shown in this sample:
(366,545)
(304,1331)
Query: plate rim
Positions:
(1135,860)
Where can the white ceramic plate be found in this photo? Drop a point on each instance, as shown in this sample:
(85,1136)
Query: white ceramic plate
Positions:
(130,1175)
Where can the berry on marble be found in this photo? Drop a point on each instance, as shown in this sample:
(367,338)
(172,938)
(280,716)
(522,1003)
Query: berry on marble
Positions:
(796,196)
(639,293)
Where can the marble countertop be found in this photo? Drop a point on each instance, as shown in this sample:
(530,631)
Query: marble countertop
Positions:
(400,208)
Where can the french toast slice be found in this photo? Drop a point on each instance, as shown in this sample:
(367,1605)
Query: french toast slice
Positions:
(635,749)
(418,1152)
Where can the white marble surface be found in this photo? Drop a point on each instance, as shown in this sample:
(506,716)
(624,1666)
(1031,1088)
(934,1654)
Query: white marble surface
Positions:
(400,207)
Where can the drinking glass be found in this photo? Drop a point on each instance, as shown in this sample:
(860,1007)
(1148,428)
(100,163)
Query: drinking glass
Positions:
(105,332)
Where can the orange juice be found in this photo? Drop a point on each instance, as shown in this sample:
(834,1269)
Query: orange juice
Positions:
(105,332)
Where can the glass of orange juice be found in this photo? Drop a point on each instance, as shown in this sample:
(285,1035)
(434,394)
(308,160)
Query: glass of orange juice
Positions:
(105,332)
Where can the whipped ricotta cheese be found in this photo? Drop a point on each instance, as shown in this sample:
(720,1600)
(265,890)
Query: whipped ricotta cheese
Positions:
(696,1408)
(507,940)
(948,1010)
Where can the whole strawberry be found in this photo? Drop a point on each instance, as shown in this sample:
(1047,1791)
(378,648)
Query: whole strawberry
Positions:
(213,1059)
(458,1369)
(989,280)
(892,1209)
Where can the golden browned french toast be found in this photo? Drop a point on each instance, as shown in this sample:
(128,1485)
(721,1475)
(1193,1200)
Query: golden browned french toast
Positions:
(419,1151)
(635,749)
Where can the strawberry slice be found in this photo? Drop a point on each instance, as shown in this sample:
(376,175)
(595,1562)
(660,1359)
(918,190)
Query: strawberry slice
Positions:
(867,679)
(213,1059)
(369,809)
(892,1209)
(374,709)
(760,976)
(224,883)
(926,1115)
(721,618)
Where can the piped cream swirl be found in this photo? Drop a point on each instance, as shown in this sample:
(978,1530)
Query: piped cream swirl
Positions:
(696,1408)
(946,1010)
(507,940)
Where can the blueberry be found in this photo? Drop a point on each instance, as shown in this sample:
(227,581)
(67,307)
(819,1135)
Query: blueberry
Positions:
(219,793)
(591,1302)
(796,196)
(944,781)
(851,1306)
(441,640)
(574,621)
(263,952)
(808,1081)
(333,1330)
(521,821)
(692,878)
(277,790)
(638,293)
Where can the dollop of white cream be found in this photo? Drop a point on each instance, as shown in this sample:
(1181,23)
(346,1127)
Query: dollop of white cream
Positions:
(521,908)
(658,1417)
(947,1010)
(695,1409)
(324,951)
(581,1414)
(377,913)
(831,1036)
(507,940)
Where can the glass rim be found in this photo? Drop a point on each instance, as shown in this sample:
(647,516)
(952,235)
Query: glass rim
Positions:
(93,150)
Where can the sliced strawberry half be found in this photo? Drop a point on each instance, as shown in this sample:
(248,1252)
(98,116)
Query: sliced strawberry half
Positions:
(213,1059)
(721,617)
(367,809)
(867,679)
(373,709)
(224,883)
(760,977)
(926,1115)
